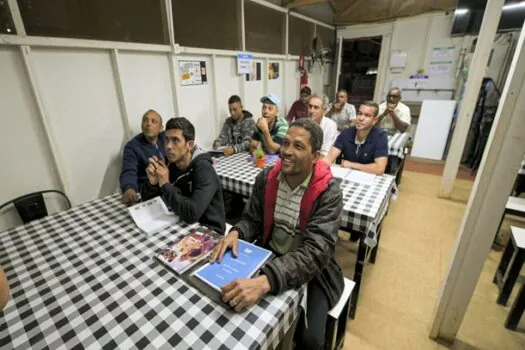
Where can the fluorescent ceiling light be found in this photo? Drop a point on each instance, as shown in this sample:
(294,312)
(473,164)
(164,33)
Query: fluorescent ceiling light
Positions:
(460,11)
(514,6)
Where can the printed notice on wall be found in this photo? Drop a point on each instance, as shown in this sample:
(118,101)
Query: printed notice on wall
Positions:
(442,67)
(443,52)
(244,63)
(192,73)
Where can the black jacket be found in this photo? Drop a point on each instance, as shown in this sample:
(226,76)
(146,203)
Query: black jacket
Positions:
(194,194)
(314,258)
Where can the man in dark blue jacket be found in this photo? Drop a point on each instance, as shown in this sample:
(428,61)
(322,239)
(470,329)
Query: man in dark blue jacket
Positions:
(137,151)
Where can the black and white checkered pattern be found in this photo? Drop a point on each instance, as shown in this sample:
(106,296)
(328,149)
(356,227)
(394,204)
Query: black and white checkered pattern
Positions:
(397,144)
(366,205)
(85,278)
(364,208)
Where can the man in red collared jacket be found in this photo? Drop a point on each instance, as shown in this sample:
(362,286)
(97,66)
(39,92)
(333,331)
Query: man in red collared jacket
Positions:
(294,211)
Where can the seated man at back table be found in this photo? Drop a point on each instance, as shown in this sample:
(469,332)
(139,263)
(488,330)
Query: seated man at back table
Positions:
(294,210)
(270,129)
(394,115)
(364,146)
(188,182)
(137,151)
(299,108)
(237,130)
(316,112)
(342,112)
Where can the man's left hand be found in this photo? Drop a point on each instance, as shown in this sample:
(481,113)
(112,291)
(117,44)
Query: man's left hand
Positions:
(243,293)
(262,124)
(228,151)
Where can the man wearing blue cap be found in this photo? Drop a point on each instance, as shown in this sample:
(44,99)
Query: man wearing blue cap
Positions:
(271,129)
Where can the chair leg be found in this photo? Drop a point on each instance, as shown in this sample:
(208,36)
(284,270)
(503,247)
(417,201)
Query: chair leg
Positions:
(499,227)
(358,273)
(511,277)
(516,310)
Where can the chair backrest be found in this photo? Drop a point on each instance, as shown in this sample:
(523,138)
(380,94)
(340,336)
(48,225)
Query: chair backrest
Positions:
(32,206)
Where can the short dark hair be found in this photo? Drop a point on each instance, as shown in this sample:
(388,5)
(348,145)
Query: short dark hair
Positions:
(371,104)
(152,111)
(316,133)
(184,125)
(343,90)
(234,99)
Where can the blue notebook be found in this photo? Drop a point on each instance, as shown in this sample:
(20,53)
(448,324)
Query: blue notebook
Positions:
(247,263)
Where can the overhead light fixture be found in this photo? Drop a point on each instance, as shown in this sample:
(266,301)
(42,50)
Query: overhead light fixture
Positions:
(514,6)
(460,12)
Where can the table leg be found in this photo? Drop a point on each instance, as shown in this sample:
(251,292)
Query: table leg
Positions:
(374,251)
(358,273)
(503,263)
(512,276)
(499,226)
(516,310)
(400,172)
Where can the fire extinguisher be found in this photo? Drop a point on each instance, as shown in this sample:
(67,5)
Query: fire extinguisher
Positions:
(304,74)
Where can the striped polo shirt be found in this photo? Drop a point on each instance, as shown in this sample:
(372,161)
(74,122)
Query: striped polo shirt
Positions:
(285,236)
(278,133)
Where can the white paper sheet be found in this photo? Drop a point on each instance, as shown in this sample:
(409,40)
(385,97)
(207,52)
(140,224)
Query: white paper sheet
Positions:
(152,216)
(361,177)
(339,172)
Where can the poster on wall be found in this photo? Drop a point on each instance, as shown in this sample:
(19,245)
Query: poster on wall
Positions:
(192,73)
(255,73)
(273,70)
(436,68)
(443,52)
(244,62)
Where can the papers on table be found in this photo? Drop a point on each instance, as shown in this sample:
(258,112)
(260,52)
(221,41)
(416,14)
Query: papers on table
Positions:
(353,175)
(339,172)
(152,216)
(361,177)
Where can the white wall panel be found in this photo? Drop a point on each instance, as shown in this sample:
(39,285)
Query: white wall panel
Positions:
(27,165)
(146,85)
(79,94)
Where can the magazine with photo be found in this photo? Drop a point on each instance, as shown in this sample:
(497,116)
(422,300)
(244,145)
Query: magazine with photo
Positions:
(249,260)
(188,249)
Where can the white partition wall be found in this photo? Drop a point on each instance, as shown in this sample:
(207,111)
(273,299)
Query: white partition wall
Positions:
(80,97)
(146,85)
(26,161)
(228,83)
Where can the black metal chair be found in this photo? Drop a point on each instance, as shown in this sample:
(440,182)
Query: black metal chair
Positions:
(32,206)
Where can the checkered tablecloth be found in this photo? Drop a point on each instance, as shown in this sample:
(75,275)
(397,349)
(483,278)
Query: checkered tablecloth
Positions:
(364,208)
(85,278)
(397,144)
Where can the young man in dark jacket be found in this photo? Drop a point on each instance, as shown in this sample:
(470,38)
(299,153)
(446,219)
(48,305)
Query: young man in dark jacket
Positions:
(137,151)
(295,211)
(188,183)
(237,130)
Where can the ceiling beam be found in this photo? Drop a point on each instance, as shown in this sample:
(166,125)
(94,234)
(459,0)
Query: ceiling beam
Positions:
(302,3)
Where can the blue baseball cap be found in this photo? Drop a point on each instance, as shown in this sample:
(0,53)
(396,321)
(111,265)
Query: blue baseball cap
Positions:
(272,98)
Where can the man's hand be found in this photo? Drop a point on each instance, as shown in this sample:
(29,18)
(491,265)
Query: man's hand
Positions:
(216,144)
(230,241)
(228,151)
(346,164)
(130,196)
(152,176)
(262,124)
(391,108)
(338,106)
(243,293)
(161,170)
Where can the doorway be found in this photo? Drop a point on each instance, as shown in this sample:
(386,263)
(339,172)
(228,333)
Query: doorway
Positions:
(359,66)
